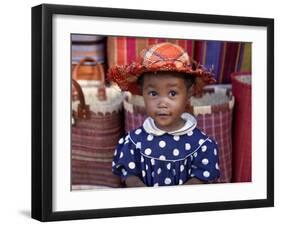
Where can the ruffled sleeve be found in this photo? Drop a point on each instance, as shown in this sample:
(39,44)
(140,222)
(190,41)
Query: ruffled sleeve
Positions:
(205,164)
(127,160)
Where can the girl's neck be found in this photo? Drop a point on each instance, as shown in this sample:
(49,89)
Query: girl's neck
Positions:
(176,126)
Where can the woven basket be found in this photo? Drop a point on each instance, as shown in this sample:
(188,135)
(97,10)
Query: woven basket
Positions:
(213,112)
(214,117)
(134,111)
(87,46)
(97,127)
(242,127)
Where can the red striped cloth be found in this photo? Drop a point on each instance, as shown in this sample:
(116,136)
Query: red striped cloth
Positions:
(242,129)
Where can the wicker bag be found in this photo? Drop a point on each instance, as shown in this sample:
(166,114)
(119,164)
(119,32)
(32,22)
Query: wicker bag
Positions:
(242,127)
(213,112)
(134,111)
(88,46)
(97,126)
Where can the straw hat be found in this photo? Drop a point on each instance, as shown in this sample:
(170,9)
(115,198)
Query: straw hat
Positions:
(160,57)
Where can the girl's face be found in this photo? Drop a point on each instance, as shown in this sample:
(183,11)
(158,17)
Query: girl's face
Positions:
(165,98)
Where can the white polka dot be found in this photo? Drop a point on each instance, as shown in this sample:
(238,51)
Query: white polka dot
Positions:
(126,142)
(192,175)
(187,146)
(191,157)
(146,167)
(205,161)
(121,155)
(115,152)
(162,157)
(124,172)
(180,181)
(138,145)
(206,173)
(159,171)
(156,185)
(182,168)
(189,133)
(152,174)
(132,151)
(168,180)
(215,152)
(162,144)
(152,162)
(176,152)
(204,148)
(113,164)
(176,138)
(169,166)
(121,141)
(132,165)
(147,151)
(201,141)
(142,159)
(195,155)
(127,137)
(138,131)
(189,171)
(143,173)
(149,137)
(174,172)
(185,161)
(217,166)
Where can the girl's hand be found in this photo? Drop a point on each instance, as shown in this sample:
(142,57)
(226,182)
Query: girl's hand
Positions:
(133,181)
(194,181)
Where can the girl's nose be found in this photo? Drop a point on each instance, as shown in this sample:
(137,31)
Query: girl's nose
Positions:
(162,103)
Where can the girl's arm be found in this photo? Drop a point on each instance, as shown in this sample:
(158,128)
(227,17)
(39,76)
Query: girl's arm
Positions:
(194,181)
(133,181)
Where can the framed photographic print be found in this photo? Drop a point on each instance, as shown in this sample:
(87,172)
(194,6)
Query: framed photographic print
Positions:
(98,151)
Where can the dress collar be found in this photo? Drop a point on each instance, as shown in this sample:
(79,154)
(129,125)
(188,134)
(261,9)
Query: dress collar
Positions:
(150,127)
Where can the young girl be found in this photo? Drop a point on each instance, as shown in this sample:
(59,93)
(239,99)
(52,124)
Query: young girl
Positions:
(167,149)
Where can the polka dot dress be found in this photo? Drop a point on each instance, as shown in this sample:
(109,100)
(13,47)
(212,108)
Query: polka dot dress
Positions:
(166,159)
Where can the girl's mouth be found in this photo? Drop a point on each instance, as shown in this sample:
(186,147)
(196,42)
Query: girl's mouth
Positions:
(163,115)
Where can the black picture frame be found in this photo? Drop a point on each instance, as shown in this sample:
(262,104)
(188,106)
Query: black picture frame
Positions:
(42,108)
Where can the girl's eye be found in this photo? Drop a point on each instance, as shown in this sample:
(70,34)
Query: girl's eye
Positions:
(172,93)
(152,93)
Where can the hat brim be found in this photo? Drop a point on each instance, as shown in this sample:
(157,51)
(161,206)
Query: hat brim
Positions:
(126,76)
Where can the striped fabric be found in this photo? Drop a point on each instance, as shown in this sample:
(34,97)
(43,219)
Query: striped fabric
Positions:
(223,57)
(242,128)
(88,46)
